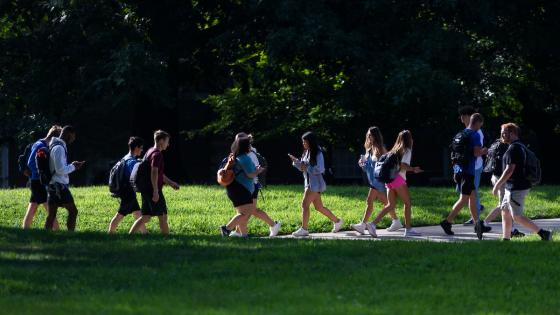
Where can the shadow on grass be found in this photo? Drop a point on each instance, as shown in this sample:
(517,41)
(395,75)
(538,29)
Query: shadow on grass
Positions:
(205,274)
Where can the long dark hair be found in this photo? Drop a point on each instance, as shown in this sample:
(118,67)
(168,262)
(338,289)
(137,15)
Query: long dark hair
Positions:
(314,147)
(377,148)
(240,146)
(404,142)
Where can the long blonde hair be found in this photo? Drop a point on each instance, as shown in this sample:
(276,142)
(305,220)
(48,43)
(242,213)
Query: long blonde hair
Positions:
(377,147)
(403,143)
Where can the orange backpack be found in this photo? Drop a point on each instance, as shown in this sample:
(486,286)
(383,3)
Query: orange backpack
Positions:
(225,175)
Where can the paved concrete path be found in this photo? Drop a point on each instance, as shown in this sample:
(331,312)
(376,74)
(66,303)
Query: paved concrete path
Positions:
(434,233)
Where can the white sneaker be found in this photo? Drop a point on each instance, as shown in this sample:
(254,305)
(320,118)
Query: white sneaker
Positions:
(235,234)
(338,225)
(300,233)
(395,226)
(411,232)
(371,229)
(275,229)
(359,227)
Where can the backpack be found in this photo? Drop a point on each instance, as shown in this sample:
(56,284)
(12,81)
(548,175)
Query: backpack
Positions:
(493,163)
(140,176)
(387,167)
(263,163)
(117,180)
(532,167)
(23,158)
(460,148)
(42,160)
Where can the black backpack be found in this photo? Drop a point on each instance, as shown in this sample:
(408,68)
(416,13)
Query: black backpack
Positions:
(387,167)
(461,151)
(493,163)
(532,167)
(140,176)
(263,163)
(42,160)
(23,158)
(117,181)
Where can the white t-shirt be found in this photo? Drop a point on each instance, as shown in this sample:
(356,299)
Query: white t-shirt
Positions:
(407,157)
(479,163)
(255,160)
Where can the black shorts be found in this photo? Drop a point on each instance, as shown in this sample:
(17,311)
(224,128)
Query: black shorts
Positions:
(39,193)
(465,183)
(129,203)
(256,192)
(59,195)
(238,194)
(151,208)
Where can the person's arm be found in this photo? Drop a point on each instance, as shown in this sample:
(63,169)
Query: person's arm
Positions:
(250,170)
(317,169)
(154,180)
(297,163)
(479,151)
(60,164)
(405,164)
(169,182)
(506,175)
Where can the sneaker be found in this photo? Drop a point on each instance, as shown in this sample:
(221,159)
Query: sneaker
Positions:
(545,235)
(469,222)
(225,232)
(479,229)
(275,229)
(446,226)
(517,233)
(371,229)
(300,233)
(395,226)
(411,233)
(338,225)
(235,234)
(359,227)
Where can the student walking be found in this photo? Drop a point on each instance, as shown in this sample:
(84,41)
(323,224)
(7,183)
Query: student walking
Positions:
(493,166)
(59,194)
(312,165)
(398,186)
(153,200)
(240,191)
(273,226)
(38,190)
(467,147)
(465,114)
(374,149)
(127,195)
(516,163)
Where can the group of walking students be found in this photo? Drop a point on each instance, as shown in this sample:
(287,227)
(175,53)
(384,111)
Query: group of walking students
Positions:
(513,166)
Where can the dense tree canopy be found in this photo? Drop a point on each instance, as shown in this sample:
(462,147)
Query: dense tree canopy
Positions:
(277,67)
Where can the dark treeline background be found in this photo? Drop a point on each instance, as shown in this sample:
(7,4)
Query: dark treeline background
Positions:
(204,70)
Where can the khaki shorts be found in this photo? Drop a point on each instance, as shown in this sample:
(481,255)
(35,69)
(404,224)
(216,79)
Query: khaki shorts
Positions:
(514,201)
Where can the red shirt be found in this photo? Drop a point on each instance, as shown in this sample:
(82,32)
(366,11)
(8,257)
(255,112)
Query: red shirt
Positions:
(156,160)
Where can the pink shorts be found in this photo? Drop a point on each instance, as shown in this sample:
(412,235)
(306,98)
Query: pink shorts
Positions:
(396,183)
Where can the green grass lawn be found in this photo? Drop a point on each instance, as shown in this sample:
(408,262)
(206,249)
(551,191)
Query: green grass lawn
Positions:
(200,210)
(194,271)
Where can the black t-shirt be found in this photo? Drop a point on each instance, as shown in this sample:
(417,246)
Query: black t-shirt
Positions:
(516,155)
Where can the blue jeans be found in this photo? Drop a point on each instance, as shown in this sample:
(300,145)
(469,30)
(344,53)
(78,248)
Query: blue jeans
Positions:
(477,175)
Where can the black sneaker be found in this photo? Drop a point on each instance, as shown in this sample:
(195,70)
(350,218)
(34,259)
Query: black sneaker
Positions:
(485,228)
(225,232)
(446,226)
(517,233)
(479,229)
(469,222)
(545,235)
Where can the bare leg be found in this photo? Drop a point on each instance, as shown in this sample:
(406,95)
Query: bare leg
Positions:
(139,222)
(163,226)
(308,198)
(55,227)
(115,222)
(463,200)
(241,219)
(526,222)
(403,193)
(318,203)
(391,203)
(137,215)
(51,217)
(72,216)
(506,223)
(29,215)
